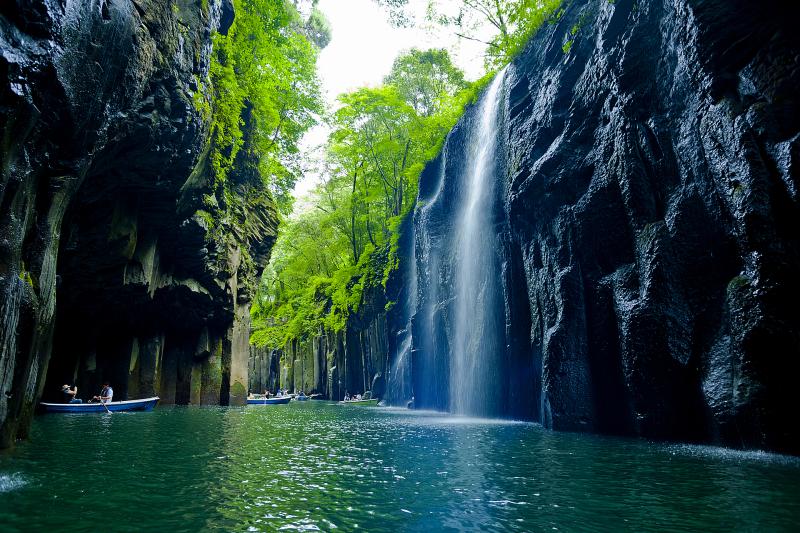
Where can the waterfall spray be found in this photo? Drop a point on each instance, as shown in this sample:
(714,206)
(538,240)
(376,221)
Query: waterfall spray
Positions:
(477,340)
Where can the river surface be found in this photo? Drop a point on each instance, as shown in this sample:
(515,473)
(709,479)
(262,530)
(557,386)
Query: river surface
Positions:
(321,466)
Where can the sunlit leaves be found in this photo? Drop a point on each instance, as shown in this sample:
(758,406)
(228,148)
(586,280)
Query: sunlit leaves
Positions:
(264,70)
(381,139)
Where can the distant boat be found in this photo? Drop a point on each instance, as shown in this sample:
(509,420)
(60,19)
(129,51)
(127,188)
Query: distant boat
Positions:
(269,401)
(301,398)
(145,404)
(373,401)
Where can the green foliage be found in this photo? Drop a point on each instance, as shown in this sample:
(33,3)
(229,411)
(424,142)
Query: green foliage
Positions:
(330,256)
(318,29)
(261,95)
(327,258)
(423,78)
(525,17)
(584,19)
(26,277)
(513,22)
(263,81)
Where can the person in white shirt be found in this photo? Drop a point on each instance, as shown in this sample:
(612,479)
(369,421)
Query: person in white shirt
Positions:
(106,394)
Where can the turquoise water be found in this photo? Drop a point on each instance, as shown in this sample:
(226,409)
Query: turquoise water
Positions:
(320,466)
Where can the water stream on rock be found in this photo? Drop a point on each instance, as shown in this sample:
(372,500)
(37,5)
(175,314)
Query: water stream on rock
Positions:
(477,345)
(425,317)
(399,383)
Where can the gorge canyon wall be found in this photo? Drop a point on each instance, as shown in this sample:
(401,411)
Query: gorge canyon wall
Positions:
(107,266)
(640,267)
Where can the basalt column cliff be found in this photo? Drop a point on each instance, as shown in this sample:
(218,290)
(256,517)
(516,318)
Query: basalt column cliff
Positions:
(107,269)
(609,240)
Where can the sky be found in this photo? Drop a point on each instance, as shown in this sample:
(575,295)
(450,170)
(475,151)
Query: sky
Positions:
(361,52)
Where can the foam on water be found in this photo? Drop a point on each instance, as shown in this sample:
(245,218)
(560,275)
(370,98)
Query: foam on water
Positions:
(727,454)
(10,482)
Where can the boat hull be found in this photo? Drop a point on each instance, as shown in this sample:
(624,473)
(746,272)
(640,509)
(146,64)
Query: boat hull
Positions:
(145,404)
(269,401)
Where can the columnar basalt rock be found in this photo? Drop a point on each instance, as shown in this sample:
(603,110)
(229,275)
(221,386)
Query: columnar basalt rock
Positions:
(647,215)
(355,359)
(107,270)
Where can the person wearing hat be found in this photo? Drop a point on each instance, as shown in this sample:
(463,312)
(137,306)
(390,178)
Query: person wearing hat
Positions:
(70,394)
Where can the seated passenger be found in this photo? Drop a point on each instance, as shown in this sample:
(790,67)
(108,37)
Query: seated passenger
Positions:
(70,394)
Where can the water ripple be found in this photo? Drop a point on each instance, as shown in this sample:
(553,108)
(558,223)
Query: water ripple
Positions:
(320,467)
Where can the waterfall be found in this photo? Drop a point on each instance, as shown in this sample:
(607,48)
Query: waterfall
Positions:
(399,383)
(477,329)
(458,323)
(429,359)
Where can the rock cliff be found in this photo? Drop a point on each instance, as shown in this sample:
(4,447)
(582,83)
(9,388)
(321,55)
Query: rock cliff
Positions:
(645,227)
(108,268)
(353,360)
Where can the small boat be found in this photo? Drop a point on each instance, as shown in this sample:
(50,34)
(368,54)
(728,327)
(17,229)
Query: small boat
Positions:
(145,404)
(269,401)
(373,401)
(302,398)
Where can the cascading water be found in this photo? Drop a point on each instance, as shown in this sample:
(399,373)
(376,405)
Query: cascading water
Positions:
(477,330)
(399,384)
(427,364)
(458,335)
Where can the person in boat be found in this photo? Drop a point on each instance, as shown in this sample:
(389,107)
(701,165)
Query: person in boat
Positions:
(106,393)
(358,397)
(347,396)
(70,394)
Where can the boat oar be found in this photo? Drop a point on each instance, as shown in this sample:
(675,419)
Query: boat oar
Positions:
(105,406)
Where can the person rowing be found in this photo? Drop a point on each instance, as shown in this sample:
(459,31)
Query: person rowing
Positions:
(106,393)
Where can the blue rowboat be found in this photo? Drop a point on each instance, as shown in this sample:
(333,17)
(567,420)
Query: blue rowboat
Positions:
(268,401)
(145,404)
(301,398)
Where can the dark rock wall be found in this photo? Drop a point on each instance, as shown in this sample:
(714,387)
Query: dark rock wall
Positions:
(648,221)
(104,262)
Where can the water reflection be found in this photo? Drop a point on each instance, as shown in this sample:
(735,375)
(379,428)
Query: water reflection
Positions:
(322,467)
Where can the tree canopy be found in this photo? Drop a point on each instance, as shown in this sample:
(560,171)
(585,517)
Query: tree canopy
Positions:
(512,22)
(380,140)
(263,72)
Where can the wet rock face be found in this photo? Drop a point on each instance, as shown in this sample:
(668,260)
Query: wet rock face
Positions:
(103,262)
(649,229)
